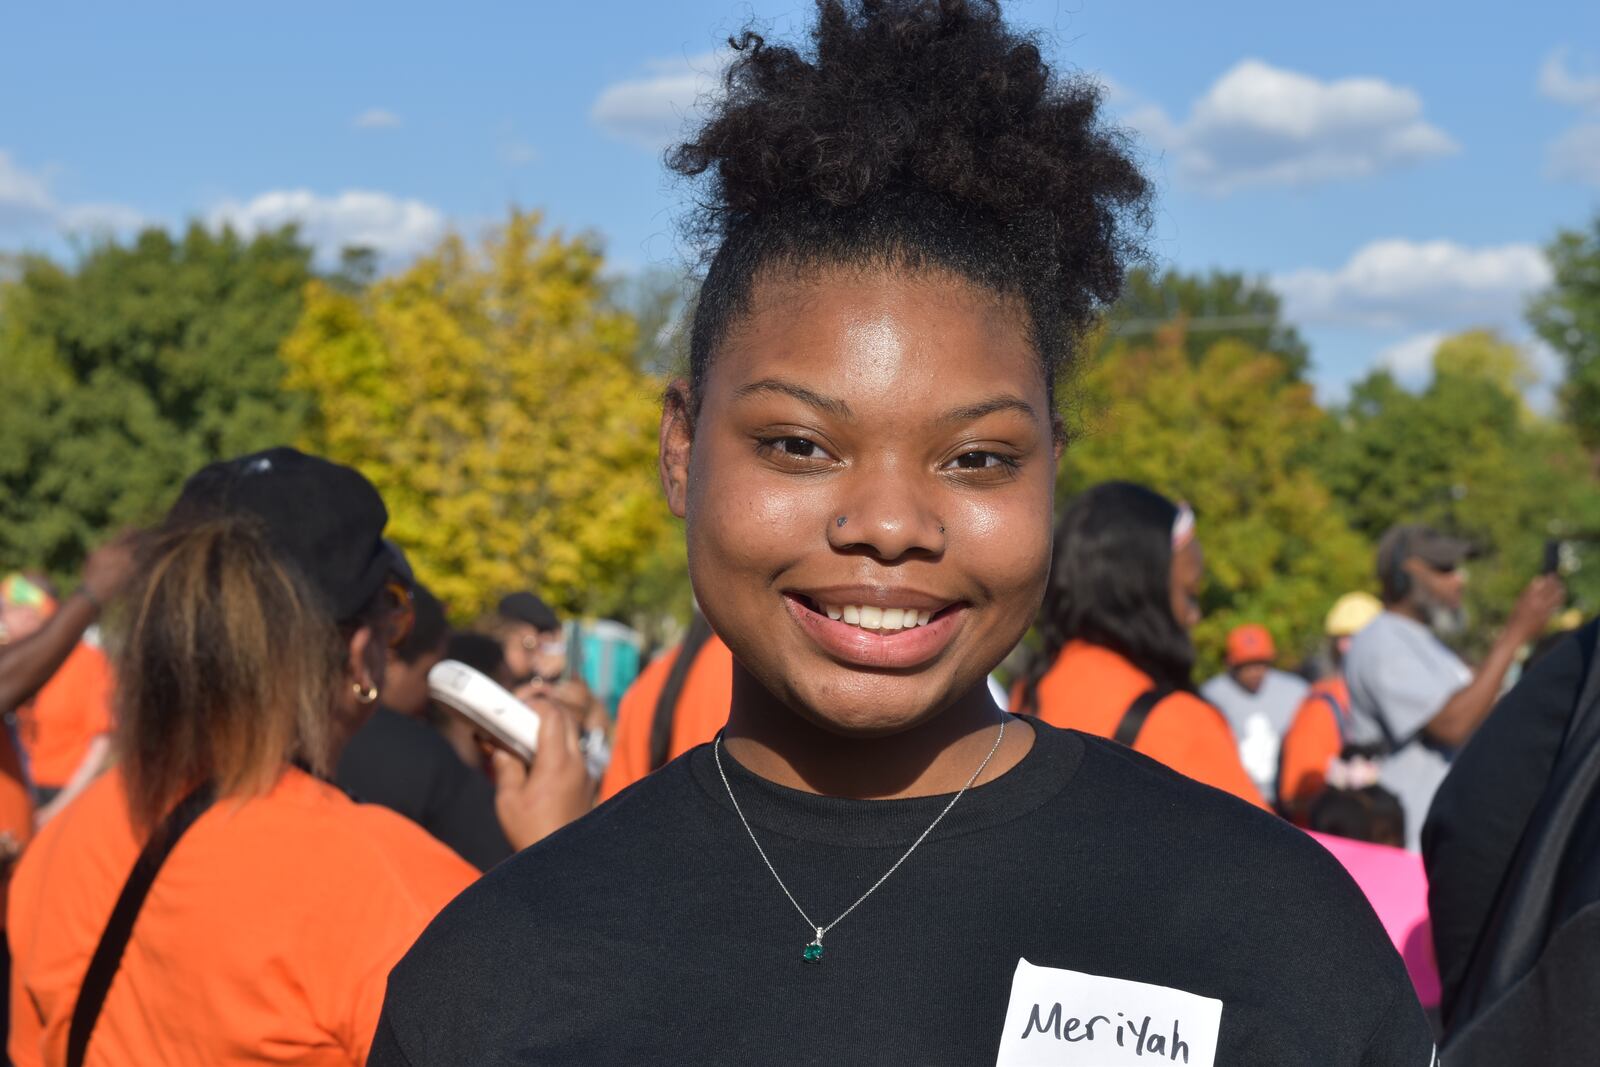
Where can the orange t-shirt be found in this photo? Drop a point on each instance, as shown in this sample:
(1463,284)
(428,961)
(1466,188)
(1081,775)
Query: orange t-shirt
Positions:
(70,711)
(1090,687)
(702,710)
(1312,741)
(267,937)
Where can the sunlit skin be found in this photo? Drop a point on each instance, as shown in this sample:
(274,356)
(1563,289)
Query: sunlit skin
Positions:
(914,408)
(1188,572)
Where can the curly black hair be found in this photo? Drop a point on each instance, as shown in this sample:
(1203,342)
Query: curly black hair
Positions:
(917,134)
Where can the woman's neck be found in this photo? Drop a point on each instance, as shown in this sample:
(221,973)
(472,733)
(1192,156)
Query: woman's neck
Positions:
(933,757)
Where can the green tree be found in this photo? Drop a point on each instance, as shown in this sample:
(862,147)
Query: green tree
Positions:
(1232,433)
(1214,305)
(1465,455)
(127,371)
(1567,317)
(491,394)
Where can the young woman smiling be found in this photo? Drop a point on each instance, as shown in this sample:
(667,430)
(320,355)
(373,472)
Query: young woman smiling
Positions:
(912,223)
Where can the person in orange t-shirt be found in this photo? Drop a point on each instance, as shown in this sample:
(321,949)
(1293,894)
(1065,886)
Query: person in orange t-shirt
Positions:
(1122,598)
(64,728)
(1316,735)
(253,647)
(651,731)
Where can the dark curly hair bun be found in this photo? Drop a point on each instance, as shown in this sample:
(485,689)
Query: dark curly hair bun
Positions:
(919,133)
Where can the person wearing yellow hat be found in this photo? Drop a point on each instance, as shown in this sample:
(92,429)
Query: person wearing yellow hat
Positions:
(1316,736)
(1258,699)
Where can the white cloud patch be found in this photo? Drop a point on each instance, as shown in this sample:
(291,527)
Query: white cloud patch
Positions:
(1564,85)
(1575,155)
(651,111)
(1398,284)
(391,226)
(1411,360)
(1260,125)
(27,204)
(376,118)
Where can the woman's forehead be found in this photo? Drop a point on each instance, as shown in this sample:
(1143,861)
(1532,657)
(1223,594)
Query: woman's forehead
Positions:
(852,332)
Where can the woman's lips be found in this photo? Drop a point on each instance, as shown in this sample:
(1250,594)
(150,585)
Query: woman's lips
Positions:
(882,649)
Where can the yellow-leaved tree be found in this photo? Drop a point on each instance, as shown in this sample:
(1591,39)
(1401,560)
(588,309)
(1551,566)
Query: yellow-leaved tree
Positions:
(491,394)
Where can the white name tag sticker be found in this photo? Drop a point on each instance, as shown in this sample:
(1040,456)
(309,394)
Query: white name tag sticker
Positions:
(1058,1017)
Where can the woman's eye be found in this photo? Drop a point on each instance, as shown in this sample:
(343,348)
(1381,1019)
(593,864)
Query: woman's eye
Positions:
(981,461)
(791,447)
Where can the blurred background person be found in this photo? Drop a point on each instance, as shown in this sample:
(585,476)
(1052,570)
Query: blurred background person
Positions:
(1316,736)
(1409,692)
(399,760)
(1514,871)
(679,700)
(1258,700)
(254,646)
(543,666)
(1123,594)
(1363,825)
(65,728)
(27,665)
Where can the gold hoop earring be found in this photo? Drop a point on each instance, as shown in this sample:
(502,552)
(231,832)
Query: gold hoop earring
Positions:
(365,694)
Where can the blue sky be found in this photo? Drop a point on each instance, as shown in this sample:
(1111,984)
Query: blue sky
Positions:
(1392,167)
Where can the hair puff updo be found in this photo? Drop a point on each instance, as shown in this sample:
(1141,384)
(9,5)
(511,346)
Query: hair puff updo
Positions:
(913,134)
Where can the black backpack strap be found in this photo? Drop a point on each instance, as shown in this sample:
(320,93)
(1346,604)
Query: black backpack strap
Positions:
(667,703)
(119,928)
(1133,719)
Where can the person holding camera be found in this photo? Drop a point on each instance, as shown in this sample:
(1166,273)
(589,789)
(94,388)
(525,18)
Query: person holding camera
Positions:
(1409,692)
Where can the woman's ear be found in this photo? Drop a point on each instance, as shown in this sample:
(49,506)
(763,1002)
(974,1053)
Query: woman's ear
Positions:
(677,436)
(365,660)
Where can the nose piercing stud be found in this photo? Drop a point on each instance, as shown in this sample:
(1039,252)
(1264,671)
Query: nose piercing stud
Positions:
(840,521)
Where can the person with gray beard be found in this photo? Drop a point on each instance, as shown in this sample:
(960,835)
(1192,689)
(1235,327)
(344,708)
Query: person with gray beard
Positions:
(1410,695)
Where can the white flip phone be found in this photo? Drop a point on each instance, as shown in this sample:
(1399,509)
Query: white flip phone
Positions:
(487,705)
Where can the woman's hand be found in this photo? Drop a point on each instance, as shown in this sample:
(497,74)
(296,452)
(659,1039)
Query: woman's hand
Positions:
(534,802)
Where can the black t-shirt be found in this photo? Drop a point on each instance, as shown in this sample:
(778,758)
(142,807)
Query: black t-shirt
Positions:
(404,764)
(651,932)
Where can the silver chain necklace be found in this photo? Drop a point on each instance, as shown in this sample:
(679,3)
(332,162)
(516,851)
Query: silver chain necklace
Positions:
(812,953)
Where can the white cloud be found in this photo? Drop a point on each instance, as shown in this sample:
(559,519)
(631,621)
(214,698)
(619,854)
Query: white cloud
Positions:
(1411,360)
(1260,125)
(376,118)
(1398,284)
(1575,155)
(27,204)
(1562,84)
(653,110)
(391,226)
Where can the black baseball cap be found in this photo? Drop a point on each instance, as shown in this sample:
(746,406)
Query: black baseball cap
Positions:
(525,607)
(325,518)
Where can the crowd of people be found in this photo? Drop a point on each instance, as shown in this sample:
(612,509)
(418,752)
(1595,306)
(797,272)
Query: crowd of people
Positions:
(238,828)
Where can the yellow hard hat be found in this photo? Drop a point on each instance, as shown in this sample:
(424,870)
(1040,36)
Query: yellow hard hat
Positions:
(1351,613)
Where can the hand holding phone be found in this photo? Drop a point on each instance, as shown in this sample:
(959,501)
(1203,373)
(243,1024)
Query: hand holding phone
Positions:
(508,722)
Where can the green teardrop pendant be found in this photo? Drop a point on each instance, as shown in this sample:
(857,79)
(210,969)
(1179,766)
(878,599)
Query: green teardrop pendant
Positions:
(812,953)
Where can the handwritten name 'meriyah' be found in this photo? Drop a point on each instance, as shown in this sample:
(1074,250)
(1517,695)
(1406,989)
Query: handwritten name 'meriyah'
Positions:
(1137,1038)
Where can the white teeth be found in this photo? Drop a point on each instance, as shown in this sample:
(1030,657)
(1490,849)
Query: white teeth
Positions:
(868,617)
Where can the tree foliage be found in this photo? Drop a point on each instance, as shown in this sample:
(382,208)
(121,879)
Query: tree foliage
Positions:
(1213,305)
(492,394)
(1232,433)
(1567,317)
(127,371)
(1464,455)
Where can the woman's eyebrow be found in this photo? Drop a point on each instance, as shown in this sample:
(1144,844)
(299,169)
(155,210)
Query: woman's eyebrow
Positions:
(973,412)
(829,404)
